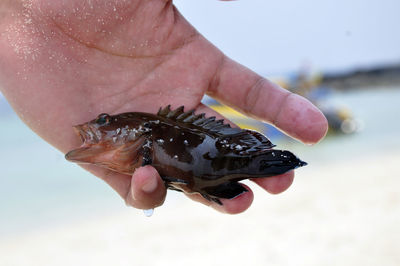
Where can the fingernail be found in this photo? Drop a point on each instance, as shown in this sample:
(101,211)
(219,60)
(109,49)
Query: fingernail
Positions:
(150,185)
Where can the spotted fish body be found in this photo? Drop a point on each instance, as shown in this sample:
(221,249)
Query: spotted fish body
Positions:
(192,153)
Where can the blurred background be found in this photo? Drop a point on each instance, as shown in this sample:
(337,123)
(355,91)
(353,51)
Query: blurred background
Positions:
(343,208)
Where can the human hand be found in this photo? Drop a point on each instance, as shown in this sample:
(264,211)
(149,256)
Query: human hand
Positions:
(64,62)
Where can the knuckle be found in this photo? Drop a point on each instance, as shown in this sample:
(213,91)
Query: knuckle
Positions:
(282,104)
(253,93)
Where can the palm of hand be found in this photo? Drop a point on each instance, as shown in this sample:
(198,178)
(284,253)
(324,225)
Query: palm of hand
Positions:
(76,59)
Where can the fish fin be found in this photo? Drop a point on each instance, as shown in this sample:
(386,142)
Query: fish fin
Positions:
(247,142)
(174,180)
(274,162)
(227,190)
(164,111)
(172,187)
(207,124)
(216,200)
(230,140)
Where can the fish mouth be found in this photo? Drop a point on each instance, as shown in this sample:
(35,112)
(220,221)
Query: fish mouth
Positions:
(84,154)
(87,134)
(88,149)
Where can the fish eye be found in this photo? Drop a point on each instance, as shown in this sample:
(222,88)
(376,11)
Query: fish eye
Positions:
(103,119)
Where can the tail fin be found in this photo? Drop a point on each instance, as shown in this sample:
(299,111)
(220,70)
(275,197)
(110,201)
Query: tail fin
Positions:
(275,162)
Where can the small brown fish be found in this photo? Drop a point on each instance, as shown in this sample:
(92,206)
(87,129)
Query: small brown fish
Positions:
(192,153)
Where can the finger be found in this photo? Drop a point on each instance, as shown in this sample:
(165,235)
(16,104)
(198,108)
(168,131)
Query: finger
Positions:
(147,190)
(276,184)
(143,190)
(257,97)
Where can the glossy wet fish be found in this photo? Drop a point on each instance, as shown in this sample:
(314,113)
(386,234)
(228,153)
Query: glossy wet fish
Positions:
(192,153)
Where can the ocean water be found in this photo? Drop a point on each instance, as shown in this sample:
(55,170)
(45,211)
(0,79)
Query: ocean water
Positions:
(377,111)
(38,188)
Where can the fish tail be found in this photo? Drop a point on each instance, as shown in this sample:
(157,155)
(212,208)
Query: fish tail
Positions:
(274,162)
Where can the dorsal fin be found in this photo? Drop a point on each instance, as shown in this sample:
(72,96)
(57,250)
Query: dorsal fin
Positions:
(247,142)
(208,124)
(230,140)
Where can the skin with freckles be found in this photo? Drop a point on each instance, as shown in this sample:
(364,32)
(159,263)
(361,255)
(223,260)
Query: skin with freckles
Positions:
(64,62)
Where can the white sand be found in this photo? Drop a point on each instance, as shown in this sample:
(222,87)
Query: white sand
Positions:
(337,214)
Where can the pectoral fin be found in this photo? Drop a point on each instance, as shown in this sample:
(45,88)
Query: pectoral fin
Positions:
(174,183)
(228,190)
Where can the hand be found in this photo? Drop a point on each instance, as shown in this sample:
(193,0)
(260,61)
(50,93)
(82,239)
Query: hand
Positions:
(64,62)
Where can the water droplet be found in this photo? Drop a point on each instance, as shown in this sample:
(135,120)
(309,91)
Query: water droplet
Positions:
(148,212)
(239,147)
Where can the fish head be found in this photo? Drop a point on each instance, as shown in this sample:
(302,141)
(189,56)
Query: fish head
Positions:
(108,141)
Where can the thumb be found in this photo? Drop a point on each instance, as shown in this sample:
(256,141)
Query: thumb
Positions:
(147,189)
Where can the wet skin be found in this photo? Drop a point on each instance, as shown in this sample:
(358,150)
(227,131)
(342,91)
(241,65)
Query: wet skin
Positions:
(58,69)
(192,153)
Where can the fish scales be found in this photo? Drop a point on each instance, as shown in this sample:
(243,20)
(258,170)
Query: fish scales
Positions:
(191,152)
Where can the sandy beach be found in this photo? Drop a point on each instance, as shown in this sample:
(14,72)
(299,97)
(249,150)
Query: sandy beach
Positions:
(344,213)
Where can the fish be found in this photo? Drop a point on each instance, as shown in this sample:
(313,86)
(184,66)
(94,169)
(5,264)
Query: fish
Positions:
(192,153)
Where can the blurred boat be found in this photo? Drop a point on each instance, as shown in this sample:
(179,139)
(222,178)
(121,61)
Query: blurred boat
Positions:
(340,117)
(242,120)
(308,84)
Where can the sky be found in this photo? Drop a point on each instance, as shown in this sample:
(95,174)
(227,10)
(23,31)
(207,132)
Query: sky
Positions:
(277,37)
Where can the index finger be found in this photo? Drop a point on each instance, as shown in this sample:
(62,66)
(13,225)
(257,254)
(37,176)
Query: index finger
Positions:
(255,96)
